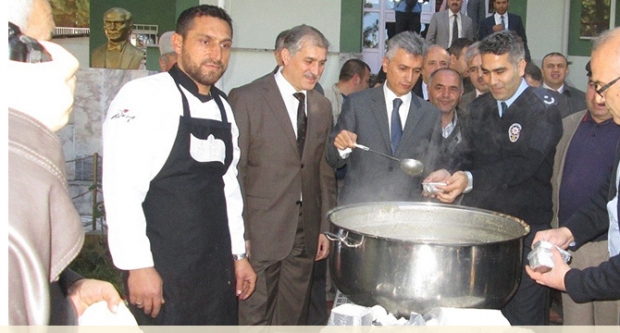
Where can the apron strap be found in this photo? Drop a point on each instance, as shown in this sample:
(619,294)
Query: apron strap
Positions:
(215,93)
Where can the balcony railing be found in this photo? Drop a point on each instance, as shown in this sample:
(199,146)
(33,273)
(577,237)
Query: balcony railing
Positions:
(70,32)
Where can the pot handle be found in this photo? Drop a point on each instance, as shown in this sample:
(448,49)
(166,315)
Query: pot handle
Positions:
(342,239)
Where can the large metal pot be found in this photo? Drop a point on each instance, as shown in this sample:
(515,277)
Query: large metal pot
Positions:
(417,256)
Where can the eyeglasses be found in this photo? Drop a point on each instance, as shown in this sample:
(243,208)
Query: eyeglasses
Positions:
(602,89)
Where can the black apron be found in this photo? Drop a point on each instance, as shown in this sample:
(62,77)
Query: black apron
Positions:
(187,225)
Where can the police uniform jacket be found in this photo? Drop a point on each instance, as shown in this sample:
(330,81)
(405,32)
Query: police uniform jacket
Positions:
(511,158)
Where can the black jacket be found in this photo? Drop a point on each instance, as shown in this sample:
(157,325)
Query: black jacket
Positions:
(511,158)
(602,282)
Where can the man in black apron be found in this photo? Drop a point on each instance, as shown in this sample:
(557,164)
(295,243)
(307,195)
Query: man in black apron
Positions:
(189,200)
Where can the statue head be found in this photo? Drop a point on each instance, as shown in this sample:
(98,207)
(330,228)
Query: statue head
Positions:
(117,24)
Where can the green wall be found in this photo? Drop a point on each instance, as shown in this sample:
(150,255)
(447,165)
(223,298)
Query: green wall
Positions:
(519,7)
(351,25)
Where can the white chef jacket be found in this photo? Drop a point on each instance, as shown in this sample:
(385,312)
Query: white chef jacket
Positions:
(138,135)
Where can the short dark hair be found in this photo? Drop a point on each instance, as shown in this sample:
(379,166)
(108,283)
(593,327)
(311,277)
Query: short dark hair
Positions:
(185,20)
(532,70)
(352,67)
(502,42)
(556,54)
(458,45)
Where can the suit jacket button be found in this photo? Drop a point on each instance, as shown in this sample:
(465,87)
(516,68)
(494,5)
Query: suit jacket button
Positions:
(391,169)
(302,165)
(505,187)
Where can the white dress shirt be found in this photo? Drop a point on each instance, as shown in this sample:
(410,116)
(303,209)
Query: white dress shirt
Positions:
(451,23)
(498,19)
(291,102)
(138,135)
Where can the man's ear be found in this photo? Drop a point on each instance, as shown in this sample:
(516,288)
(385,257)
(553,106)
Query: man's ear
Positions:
(286,56)
(177,42)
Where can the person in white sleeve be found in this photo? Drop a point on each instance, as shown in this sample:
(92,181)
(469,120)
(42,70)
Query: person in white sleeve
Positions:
(173,202)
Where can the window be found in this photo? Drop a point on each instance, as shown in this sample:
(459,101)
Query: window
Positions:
(595,17)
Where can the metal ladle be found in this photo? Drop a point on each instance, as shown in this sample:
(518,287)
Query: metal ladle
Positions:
(409,166)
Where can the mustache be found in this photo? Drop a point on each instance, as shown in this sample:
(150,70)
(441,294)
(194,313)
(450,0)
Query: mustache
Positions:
(311,76)
(211,62)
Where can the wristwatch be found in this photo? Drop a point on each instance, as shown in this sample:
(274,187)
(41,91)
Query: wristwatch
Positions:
(240,256)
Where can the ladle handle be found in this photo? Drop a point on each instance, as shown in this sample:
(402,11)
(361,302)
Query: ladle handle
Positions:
(342,239)
(362,147)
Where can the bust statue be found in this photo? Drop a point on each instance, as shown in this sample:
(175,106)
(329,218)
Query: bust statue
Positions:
(118,52)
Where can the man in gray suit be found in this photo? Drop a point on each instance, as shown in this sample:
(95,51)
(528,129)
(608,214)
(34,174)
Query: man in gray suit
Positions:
(287,185)
(391,120)
(445,23)
(475,9)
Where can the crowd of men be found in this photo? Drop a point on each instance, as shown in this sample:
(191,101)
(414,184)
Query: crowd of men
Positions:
(216,204)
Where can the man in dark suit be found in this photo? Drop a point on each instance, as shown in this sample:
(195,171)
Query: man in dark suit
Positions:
(554,71)
(502,20)
(601,282)
(286,183)
(583,161)
(507,158)
(388,119)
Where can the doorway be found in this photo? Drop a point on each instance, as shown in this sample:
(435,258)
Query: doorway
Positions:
(378,24)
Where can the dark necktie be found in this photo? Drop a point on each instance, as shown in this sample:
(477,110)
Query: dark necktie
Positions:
(301,122)
(503,22)
(397,127)
(503,110)
(455,29)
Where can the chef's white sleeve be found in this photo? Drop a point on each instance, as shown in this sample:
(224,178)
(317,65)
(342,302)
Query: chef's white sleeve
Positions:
(127,173)
(232,191)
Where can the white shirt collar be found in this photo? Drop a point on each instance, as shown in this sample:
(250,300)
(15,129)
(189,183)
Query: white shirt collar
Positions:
(560,89)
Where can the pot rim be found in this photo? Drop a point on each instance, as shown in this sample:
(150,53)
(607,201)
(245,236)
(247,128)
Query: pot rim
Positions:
(526,227)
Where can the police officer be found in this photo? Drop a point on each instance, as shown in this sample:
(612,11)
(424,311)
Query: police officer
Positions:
(509,146)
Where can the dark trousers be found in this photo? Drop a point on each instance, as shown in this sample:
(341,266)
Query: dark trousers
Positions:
(317,309)
(282,288)
(530,304)
(408,21)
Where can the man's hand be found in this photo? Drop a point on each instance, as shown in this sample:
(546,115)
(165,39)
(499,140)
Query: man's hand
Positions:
(455,185)
(345,139)
(498,27)
(323,248)
(246,279)
(146,290)
(86,292)
(555,277)
(561,237)
(438,176)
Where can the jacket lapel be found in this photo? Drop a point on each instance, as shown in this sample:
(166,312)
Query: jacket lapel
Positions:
(276,106)
(378,109)
(413,118)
